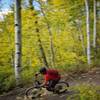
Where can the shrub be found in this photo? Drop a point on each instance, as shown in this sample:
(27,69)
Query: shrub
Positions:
(7,81)
(27,75)
(86,92)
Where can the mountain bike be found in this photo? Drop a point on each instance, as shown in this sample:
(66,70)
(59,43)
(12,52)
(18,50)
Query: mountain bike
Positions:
(37,90)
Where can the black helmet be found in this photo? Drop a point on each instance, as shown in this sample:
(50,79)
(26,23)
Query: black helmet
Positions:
(43,70)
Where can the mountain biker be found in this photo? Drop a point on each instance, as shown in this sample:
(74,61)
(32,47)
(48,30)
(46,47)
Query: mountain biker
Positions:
(51,78)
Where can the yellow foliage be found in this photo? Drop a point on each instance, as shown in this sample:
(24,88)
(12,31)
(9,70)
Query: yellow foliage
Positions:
(57,2)
(35,62)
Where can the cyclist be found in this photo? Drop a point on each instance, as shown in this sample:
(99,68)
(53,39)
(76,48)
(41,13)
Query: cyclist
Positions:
(51,78)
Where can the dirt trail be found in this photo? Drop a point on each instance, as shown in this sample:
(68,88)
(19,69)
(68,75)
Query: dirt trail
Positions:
(92,77)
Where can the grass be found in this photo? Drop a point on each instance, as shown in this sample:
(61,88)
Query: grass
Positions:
(85,92)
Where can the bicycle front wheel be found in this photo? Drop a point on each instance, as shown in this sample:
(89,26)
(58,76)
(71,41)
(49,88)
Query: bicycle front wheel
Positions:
(33,93)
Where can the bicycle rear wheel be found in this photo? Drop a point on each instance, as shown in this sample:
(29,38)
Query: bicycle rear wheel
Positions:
(61,87)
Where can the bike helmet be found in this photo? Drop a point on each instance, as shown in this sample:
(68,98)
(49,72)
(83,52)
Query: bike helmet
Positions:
(43,70)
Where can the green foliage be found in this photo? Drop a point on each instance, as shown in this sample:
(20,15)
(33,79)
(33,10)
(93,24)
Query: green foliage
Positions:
(85,92)
(9,83)
(27,75)
(7,80)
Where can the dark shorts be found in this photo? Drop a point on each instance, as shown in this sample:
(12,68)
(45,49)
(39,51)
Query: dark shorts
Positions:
(51,84)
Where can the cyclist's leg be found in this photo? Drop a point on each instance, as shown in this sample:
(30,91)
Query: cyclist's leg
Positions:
(49,85)
(54,82)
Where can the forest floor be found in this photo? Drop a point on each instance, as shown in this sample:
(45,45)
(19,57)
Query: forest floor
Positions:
(90,77)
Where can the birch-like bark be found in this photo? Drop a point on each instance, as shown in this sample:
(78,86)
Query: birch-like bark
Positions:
(17,40)
(95,21)
(88,31)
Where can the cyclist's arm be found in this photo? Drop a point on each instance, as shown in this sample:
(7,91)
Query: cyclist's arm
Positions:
(46,79)
(45,83)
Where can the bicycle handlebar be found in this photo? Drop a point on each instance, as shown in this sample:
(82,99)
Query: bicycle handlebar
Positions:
(37,74)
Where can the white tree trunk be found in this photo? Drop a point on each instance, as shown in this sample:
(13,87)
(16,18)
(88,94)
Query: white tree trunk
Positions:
(88,31)
(17,40)
(95,21)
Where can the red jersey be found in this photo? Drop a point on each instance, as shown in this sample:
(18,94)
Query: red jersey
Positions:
(51,75)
